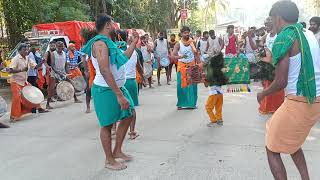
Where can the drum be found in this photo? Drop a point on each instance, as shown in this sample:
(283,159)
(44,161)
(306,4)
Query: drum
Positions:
(3,106)
(147,68)
(31,96)
(65,90)
(195,75)
(164,62)
(79,83)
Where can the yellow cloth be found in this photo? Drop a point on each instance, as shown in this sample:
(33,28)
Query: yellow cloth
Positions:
(215,102)
(290,125)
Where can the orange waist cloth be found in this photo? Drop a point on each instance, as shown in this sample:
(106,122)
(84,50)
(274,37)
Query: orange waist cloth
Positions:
(41,79)
(271,103)
(74,73)
(92,72)
(138,77)
(17,108)
(290,125)
(182,68)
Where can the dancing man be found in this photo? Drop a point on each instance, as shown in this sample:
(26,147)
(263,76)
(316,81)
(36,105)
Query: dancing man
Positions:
(296,55)
(270,103)
(186,54)
(112,100)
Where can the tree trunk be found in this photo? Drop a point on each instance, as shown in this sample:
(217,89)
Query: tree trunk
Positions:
(104,6)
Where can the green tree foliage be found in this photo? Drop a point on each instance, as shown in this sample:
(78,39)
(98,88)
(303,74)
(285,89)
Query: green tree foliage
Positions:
(150,15)
(20,15)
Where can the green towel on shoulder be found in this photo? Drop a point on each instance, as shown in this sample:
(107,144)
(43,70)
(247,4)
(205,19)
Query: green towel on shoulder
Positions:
(117,56)
(306,85)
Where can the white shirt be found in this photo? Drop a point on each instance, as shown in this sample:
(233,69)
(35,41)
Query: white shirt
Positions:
(131,65)
(60,61)
(186,50)
(118,74)
(145,54)
(203,46)
(295,66)
(32,71)
(318,37)
(213,90)
(162,48)
(270,40)
(214,46)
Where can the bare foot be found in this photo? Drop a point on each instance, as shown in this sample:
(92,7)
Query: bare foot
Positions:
(41,110)
(77,101)
(4,126)
(159,84)
(114,165)
(88,111)
(49,107)
(122,156)
(13,120)
(168,83)
(133,135)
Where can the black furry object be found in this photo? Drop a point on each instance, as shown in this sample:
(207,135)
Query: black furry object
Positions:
(212,69)
(265,71)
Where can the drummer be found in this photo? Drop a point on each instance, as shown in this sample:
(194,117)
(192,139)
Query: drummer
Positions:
(59,65)
(73,61)
(186,53)
(18,68)
(1,124)
(162,49)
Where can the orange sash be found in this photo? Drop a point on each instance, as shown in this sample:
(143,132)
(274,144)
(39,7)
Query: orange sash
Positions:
(92,72)
(182,68)
(75,73)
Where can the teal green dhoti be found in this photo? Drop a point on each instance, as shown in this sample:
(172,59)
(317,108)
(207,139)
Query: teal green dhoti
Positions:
(187,97)
(132,87)
(106,105)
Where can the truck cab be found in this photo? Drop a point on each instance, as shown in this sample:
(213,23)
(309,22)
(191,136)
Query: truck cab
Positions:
(42,39)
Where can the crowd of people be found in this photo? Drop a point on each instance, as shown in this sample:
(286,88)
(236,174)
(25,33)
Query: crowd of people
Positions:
(117,66)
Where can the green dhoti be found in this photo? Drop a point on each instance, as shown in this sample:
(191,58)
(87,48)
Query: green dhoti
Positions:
(187,97)
(132,87)
(106,105)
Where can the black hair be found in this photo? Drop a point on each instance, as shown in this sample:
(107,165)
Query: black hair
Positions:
(286,9)
(212,32)
(198,31)
(52,42)
(122,35)
(72,41)
(184,28)
(21,46)
(87,34)
(304,25)
(101,21)
(315,19)
(205,33)
(218,78)
(230,27)
(172,35)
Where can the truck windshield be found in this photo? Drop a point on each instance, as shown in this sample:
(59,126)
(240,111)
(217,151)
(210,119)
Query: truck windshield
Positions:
(43,43)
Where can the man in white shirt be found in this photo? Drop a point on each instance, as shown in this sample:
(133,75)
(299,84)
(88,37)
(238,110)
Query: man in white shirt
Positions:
(315,27)
(162,49)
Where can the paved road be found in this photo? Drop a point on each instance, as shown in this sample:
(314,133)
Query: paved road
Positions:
(64,144)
